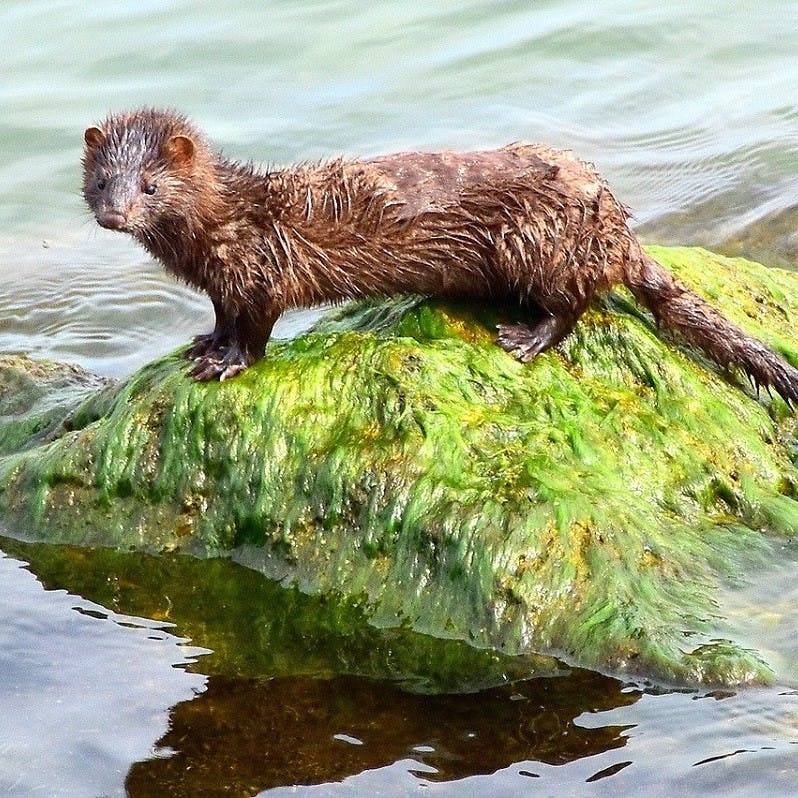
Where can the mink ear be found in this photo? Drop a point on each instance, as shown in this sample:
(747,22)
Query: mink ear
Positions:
(94,137)
(179,149)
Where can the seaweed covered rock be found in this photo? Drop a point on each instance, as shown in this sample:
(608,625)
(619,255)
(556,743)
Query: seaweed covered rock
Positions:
(588,505)
(35,396)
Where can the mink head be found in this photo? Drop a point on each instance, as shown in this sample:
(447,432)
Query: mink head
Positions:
(141,170)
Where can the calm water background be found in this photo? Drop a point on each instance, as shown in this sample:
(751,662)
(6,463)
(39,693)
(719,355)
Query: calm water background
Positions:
(689,109)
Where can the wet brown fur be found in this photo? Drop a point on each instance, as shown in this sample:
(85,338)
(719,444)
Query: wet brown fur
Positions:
(524,223)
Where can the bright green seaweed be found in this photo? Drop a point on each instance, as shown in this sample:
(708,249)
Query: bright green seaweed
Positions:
(587,505)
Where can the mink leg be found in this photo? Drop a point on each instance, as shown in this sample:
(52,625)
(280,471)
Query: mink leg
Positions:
(525,341)
(214,341)
(242,344)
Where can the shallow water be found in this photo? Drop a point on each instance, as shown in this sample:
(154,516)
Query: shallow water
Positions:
(689,110)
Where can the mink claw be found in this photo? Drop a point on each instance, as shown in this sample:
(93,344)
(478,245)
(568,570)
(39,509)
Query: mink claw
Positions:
(231,371)
(525,342)
(206,368)
(220,363)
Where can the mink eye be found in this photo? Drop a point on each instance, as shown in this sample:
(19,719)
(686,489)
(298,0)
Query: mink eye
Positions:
(150,188)
(101,183)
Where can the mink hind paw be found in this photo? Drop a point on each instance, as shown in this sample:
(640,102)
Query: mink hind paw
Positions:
(526,342)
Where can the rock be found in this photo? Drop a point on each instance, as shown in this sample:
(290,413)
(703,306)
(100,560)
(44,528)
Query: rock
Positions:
(35,397)
(589,505)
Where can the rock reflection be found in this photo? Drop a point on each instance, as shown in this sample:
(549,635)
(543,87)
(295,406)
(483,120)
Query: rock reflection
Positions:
(242,735)
(305,691)
(252,626)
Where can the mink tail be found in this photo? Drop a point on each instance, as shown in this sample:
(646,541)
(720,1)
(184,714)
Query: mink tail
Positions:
(678,309)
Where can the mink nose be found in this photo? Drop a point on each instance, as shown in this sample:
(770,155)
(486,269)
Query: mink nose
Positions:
(112,220)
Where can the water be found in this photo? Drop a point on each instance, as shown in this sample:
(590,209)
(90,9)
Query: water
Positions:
(689,110)
(84,691)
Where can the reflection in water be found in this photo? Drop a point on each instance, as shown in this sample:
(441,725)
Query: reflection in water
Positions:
(254,627)
(86,701)
(279,707)
(244,735)
(276,709)
(83,691)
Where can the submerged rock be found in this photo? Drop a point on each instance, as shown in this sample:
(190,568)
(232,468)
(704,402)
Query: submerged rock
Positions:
(588,505)
(35,396)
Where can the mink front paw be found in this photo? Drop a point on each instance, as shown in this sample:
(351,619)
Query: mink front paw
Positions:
(221,364)
(202,345)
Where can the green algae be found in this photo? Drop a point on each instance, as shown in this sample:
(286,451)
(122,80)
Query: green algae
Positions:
(35,397)
(589,505)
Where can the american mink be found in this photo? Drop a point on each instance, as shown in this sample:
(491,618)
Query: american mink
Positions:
(526,224)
